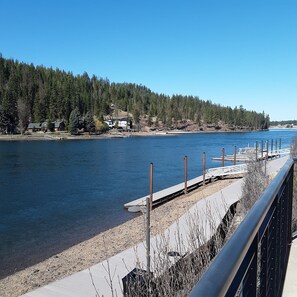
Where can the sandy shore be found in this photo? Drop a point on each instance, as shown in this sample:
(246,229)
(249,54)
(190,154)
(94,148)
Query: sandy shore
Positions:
(104,245)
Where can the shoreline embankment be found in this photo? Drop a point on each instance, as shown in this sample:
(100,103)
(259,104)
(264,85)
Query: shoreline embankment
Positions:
(103,245)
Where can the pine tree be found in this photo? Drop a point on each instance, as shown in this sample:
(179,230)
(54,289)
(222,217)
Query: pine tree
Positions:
(74,121)
(89,122)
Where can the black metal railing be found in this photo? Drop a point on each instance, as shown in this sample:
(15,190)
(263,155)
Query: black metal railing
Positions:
(253,262)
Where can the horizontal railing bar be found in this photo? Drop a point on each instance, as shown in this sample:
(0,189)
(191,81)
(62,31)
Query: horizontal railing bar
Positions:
(219,276)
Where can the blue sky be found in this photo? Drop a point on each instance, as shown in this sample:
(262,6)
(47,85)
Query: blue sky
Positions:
(234,53)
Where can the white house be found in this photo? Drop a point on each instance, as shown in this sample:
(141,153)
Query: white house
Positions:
(123,123)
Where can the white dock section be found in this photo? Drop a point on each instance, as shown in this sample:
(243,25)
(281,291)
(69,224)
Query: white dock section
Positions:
(171,191)
(162,195)
(206,213)
(246,154)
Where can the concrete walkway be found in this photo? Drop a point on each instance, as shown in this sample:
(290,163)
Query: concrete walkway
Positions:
(205,215)
(290,286)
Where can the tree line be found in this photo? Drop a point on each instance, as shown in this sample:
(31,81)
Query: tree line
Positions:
(31,93)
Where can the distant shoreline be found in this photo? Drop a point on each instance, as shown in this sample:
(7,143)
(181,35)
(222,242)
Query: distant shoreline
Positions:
(65,136)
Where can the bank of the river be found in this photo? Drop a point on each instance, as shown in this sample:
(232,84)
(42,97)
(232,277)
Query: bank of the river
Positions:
(112,134)
(104,245)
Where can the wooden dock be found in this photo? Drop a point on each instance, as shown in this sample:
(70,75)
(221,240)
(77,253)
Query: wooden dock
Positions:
(243,156)
(246,154)
(174,191)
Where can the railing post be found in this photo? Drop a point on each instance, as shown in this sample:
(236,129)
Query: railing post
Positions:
(264,265)
(223,157)
(186,174)
(250,280)
(256,151)
(262,150)
(151,185)
(203,166)
(271,147)
(235,155)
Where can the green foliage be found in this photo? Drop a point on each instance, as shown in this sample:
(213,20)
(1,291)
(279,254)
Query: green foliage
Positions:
(74,122)
(89,123)
(50,126)
(54,94)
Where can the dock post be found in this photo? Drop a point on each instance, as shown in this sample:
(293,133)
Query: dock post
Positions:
(271,148)
(223,157)
(186,174)
(203,167)
(256,151)
(148,237)
(266,149)
(235,155)
(151,185)
(262,150)
(276,150)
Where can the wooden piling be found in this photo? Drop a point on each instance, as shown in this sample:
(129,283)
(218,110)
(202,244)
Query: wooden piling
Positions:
(151,185)
(186,174)
(203,166)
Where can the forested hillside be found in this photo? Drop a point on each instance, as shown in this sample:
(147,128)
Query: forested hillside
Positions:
(31,93)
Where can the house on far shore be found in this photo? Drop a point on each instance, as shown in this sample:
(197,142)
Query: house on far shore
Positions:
(59,126)
(36,127)
(123,123)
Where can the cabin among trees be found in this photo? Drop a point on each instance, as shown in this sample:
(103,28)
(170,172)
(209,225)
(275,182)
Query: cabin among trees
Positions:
(56,126)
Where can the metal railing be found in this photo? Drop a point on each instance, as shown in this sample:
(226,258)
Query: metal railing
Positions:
(253,262)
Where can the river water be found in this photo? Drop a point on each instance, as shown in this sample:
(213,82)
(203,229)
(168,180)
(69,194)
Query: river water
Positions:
(54,194)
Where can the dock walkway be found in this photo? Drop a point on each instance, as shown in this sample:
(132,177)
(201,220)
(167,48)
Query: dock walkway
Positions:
(86,282)
(211,173)
(245,154)
(168,193)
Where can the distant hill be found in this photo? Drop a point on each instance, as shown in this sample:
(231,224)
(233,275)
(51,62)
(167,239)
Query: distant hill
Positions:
(284,123)
(31,93)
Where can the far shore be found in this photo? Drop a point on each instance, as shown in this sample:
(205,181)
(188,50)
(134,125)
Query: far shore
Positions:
(109,135)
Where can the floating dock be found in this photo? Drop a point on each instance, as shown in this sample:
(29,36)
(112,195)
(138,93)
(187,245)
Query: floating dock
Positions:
(174,191)
(246,154)
(242,157)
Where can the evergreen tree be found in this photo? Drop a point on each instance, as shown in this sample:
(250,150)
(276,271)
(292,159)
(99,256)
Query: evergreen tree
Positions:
(89,122)
(74,122)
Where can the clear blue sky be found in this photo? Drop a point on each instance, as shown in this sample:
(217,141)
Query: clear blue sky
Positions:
(241,52)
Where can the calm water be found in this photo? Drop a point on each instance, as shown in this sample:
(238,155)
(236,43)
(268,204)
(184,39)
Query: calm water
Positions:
(55,194)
